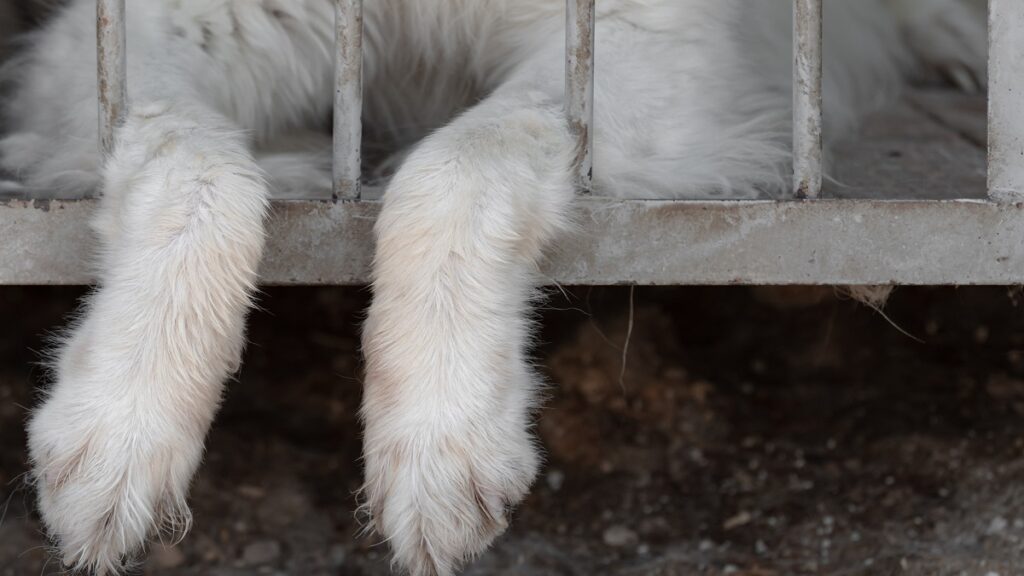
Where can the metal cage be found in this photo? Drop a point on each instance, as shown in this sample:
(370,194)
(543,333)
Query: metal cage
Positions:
(962,236)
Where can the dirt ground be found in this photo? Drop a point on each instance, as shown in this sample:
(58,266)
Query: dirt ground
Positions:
(742,438)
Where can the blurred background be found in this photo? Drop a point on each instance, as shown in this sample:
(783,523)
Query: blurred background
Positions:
(756,432)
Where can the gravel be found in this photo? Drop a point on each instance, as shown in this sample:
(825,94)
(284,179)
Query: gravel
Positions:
(781,435)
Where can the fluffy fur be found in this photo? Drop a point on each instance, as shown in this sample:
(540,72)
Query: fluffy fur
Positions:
(693,100)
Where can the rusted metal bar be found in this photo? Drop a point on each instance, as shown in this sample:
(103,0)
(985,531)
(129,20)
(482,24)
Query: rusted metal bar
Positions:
(111,69)
(807,146)
(1006,101)
(348,98)
(579,86)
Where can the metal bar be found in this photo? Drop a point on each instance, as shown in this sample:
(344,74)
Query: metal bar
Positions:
(579,86)
(111,69)
(839,242)
(807,147)
(1005,101)
(348,98)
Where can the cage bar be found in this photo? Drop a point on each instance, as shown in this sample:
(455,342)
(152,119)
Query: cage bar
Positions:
(1006,101)
(111,69)
(579,86)
(830,242)
(807,147)
(348,98)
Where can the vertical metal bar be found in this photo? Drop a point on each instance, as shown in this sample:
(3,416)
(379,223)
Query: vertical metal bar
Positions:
(111,69)
(348,98)
(1006,101)
(579,85)
(807,147)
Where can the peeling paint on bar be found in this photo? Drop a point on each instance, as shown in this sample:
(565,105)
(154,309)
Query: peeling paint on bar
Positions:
(111,69)
(807,59)
(1006,101)
(844,242)
(348,98)
(579,85)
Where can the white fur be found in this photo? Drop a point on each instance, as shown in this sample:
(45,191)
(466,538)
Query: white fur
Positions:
(693,100)
(116,442)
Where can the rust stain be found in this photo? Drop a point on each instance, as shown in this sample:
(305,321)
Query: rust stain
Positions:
(579,91)
(803,191)
(110,61)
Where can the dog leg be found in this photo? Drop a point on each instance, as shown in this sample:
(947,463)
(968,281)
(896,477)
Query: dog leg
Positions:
(448,388)
(139,375)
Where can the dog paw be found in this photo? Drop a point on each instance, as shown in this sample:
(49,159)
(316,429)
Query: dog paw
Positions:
(440,494)
(108,475)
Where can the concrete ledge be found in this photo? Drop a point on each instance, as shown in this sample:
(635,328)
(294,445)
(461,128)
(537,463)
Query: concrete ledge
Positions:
(643,242)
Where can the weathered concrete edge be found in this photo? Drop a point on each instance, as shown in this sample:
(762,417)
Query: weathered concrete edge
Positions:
(616,242)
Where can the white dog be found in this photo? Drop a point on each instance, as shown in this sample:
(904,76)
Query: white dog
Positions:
(693,99)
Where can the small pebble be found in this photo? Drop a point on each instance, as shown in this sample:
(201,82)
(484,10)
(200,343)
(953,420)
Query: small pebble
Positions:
(337,555)
(261,552)
(619,536)
(997,525)
(741,519)
(253,492)
(555,479)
